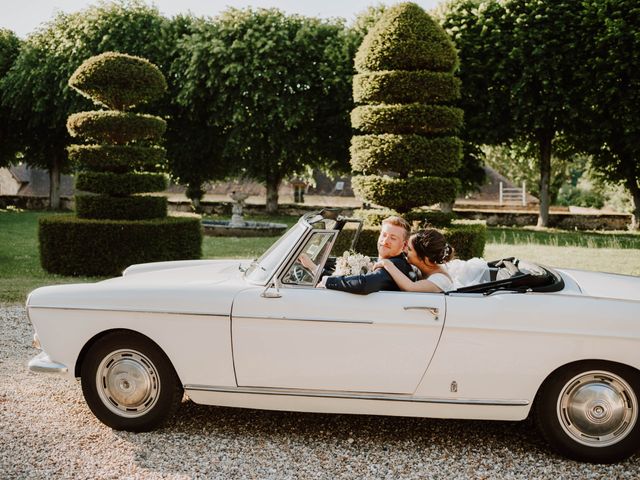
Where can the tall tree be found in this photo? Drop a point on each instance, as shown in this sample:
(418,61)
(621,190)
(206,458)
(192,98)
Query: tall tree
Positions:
(608,127)
(277,86)
(35,89)
(9,48)
(518,68)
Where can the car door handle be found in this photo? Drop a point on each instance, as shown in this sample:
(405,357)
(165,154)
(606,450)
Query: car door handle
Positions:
(432,310)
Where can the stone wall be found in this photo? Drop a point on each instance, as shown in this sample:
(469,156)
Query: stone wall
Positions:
(502,217)
(562,220)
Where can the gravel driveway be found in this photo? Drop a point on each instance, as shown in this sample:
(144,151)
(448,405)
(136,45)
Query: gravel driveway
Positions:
(47,431)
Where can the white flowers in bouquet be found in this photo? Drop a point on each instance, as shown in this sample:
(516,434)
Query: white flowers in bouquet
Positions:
(351,263)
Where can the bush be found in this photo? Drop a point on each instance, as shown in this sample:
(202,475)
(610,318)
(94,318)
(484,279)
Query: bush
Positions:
(429,218)
(113,229)
(405,75)
(114,127)
(118,81)
(406,38)
(405,153)
(120,208)
(467,238)
(120,184)
(74,246)
(373,217)
(403,194)
(401,86)
(116,158)
(407,118)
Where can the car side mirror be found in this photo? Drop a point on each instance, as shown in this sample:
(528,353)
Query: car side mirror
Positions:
(269,293)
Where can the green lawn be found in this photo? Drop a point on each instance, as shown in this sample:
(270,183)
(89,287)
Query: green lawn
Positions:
(619,252)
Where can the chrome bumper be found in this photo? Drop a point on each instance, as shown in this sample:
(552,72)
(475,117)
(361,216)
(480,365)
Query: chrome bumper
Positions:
(41,363)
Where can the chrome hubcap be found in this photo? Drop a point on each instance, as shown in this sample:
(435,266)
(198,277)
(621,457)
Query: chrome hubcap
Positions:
(128,383)
(597,408)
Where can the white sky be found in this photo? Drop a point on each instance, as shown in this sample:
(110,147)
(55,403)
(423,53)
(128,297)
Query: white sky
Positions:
(23,16)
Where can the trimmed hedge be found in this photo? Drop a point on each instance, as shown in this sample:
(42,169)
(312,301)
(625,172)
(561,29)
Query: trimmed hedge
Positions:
(373,217)
(406,38)
(120,208)
(110,126)
(406,153)
(429,218)
(467,239)
(120,184)
(74,246)
(403,194)
(407,118)
(116,158)
(401,86)
(118,81)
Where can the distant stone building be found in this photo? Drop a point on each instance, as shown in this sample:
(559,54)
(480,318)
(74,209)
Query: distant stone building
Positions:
(22,181)
(489,193)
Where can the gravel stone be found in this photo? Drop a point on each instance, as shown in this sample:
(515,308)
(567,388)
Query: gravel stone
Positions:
(47,431)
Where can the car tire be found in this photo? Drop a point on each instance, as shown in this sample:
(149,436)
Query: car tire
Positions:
(588,411)
(129,383)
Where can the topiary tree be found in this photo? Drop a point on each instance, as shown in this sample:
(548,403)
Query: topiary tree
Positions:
(407,150)
(118,160)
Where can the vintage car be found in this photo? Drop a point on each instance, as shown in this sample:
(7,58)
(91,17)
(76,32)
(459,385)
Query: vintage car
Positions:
(563,344)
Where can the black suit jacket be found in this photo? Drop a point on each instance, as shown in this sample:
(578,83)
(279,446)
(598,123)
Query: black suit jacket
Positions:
(371,282)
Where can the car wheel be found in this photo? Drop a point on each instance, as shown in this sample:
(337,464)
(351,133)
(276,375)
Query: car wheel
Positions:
(128,382)
(589,411)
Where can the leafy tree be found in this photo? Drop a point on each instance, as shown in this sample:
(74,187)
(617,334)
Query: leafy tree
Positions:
(277,88)
(405,85)
(518,70)
(35,89)
(9,48)
(608,127)
(518,162)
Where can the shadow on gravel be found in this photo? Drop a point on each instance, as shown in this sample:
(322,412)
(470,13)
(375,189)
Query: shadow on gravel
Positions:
(218,442)
(235,441)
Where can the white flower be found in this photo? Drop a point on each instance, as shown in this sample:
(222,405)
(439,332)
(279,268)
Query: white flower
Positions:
(351,263)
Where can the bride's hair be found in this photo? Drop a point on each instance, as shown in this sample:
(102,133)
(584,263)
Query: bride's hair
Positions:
(430,244)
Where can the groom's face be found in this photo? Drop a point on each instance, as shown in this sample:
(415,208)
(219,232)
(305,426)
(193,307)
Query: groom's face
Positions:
(391,241)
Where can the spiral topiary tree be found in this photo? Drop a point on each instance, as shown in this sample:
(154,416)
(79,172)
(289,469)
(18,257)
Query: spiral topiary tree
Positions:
(118,160)
(407,150)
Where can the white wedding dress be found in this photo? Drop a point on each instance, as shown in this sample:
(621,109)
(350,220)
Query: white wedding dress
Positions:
(468,272)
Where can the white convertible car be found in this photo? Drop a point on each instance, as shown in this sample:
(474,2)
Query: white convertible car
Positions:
(564,344)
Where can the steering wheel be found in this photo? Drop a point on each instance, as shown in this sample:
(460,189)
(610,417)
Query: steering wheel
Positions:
(300,274)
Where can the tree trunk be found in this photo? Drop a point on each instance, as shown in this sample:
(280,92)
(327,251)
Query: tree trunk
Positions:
(273,184)
(544,144)
(54,183)
(632,185)
(195,193)
(447,207)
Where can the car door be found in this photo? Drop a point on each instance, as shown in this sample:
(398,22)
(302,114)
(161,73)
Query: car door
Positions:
(317,339)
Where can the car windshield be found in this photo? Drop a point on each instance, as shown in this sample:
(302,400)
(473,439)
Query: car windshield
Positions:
(262,269)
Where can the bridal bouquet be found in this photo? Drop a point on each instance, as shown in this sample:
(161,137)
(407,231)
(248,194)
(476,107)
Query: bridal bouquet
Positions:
(351,263)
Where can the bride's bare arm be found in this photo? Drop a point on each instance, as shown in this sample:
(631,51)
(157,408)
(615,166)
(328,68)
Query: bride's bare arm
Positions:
(404,282)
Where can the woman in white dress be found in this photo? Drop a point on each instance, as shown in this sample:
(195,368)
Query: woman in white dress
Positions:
(428,251)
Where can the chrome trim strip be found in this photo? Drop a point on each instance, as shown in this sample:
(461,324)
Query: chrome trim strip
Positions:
(355,395)
(133,310)
(326,320)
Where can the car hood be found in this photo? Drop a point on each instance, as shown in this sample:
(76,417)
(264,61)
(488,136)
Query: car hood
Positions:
(606,285)
(201,287)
